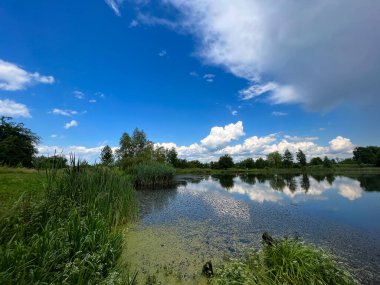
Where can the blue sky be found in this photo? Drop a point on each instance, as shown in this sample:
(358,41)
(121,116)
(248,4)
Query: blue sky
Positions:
(207,78)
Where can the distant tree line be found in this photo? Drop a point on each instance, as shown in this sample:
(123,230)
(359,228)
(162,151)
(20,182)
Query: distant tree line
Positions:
(18,148)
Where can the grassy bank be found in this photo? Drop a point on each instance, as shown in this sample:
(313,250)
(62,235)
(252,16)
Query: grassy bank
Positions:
(338,170)
(69,236)
(287,262)
(16,182)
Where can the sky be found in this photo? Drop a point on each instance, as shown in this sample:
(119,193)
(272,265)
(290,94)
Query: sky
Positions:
(244,77)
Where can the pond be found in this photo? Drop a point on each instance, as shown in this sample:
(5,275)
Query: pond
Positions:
(216,217)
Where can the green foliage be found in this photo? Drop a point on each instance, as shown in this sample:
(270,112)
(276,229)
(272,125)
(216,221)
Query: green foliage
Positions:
(43,162)
(248,163)
(287,158)
(68,237)
(316,161)
(152,174)
(327,163)
(172,157)
(301,158)
(288,262)
(367,155)
(260,163)
(274,159)
(106,156)
(17,144)
(225,162)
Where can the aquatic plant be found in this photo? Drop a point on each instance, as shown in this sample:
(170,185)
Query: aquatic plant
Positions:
(288,262)
(152,174)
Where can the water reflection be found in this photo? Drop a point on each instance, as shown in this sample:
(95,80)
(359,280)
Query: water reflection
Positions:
(276,188)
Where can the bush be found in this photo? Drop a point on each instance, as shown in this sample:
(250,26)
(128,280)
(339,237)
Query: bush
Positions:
(288,262)
(152,174)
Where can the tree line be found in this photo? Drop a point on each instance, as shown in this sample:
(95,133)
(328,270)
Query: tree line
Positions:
(18,148)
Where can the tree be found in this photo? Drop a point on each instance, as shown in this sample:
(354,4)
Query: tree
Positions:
(248,163)
(327,162)
(260,163)
(274,159)
(17,143)
(301,158)
(55,161)
(287,158)
(366,155)
(172,157)
(225,162)
(316,161)
(106,156)
(135,149)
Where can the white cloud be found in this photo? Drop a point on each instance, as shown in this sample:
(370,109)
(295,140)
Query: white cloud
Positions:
(79,94)
(162,53)
(277,113)
(71,124)
(13,77)
(209,77)
(9,108)
(89,153)
(217,143)
(61,112)
(257,90)
(194,74)
(341,144)
(115,5)
(92,101)
(318,53)
(234,113)
(220,136)
(53,136)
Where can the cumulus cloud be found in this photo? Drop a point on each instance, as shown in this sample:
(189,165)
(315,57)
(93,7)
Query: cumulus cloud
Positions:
(317,54)
(9,108)
(162,53)
(220,136)
(218,143)
(71,124)
(13,77)
(115,5)
(61,112)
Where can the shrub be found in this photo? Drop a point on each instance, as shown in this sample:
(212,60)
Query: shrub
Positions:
(152,174)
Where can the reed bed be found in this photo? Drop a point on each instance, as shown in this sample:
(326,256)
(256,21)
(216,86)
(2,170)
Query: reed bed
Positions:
(152,175)
(70,236)
(288,262)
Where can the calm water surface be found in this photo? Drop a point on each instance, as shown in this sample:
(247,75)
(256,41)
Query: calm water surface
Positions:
(213,217)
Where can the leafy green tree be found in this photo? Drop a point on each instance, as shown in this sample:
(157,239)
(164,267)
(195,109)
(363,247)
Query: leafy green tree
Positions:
(260,163)
(274,159)
(327,162)
(225,162)
(136,149)
(316,161)
(172,157)
(106,156)
(17,143)
(248,163)
(301,158)
(287,158)
(366,155)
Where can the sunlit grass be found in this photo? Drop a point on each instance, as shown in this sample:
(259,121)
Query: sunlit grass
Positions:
(69,237)
(288,262)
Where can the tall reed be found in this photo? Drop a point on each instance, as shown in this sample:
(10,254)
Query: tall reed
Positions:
(69,237)
(152,174)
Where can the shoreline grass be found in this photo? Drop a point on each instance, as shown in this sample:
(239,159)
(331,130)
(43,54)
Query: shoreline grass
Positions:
(70,236)
(152,175)
(287,262)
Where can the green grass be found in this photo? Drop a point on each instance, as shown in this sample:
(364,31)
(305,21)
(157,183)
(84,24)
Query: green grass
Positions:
(288,262)
(152,175)
(15,182)
(70,236)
